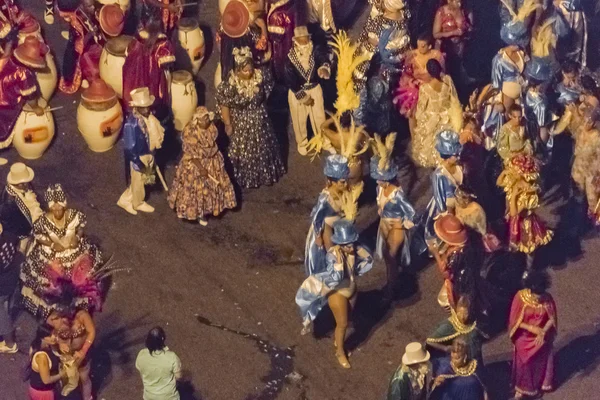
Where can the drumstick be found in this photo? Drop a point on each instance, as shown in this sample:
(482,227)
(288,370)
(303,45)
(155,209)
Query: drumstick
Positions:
(54,108)
(189,4)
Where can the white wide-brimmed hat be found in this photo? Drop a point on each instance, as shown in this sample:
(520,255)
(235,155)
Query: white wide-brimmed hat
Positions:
(19,173)
(414,354)
(141,97)
(301,31)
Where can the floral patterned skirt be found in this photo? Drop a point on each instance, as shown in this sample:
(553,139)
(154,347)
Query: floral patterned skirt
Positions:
(527,232)
(193,196)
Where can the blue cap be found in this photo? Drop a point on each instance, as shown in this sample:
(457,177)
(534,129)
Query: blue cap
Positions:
(336,167)
(447,144)
(539,69)
(387,174)
(514,33)
(344,232)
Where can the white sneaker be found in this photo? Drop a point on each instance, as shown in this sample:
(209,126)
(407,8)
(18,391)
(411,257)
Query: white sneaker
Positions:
(8,350)
(127,207)
(145,207)
(202,221)
(49,16)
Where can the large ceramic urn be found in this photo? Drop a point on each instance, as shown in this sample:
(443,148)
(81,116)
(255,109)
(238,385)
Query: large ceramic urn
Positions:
(191,42)
(99,116)
(184,98)
(112,60)
(33,133)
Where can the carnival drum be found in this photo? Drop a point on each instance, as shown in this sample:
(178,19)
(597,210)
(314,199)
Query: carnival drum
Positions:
(184,98)
(32,134)
(112,60)
(124,4)
(191,40)
(99,116)
(47,78)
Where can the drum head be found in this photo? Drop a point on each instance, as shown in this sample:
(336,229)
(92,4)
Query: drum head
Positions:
(187,24)
(181,77)
(117,46)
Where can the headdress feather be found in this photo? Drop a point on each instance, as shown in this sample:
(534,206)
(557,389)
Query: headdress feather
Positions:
(543,40)
(349,201)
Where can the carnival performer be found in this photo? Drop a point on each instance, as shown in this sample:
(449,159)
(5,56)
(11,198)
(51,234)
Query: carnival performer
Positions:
(75,331)
(13,20)
(444,180)
(451,28)
(167,12)
(325,213)
(508,65)
(573,45)
(18,86)
(147,64)
(458,376)
(386,15)
(281,23)
(438,109)
(142,136)
(201,186)
(533,325)
(43,372)
(305,65)
(470,213)
(396,213)
(414,74)
(412,379)
(512,139)
(60,251)
(461,323)
(19,207)
(253,150)
(569,89)
(526,231)
(84,36)
(336,283)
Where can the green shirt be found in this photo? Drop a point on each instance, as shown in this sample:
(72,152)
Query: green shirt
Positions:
(158,371)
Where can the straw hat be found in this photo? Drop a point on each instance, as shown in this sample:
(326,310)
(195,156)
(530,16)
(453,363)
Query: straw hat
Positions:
(235,19)
(449,229)
(141,97)
(19,173)
(414,354)
(111,19)
(98,92)
(31,53)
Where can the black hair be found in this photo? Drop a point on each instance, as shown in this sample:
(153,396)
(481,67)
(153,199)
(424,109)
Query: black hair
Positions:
(346,119)
(459,344)
(243,63)
(537,281)
(515,107)
(43,331)
(570,67)
(155,341)
(589,84)
(434,68)
(66,302)
(425,37)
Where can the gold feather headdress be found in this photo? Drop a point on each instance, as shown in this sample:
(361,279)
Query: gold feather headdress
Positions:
(383,149)
(526,9)
(543,40)
(349,201)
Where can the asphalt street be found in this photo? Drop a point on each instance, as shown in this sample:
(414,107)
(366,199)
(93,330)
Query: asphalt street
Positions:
(225,293)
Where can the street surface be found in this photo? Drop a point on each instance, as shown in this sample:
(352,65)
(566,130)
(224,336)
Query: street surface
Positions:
(225,293)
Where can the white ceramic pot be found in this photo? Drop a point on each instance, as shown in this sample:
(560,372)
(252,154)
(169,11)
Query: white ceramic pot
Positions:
(217,79)
(222,4)
(112,60)
(184,98)
(32,134)
(48,78)
(100,127)
(124,4)
(191,40)
(252,5)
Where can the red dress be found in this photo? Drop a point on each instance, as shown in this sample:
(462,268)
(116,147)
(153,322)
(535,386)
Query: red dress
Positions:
(17,85)
(533,364)
(146,68)
(281,24)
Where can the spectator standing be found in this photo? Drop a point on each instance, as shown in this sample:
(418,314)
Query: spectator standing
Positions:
(9,278)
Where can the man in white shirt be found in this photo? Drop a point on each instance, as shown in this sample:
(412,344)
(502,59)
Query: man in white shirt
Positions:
(159,367)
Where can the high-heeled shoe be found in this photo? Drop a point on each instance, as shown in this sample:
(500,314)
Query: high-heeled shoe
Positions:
(343,360)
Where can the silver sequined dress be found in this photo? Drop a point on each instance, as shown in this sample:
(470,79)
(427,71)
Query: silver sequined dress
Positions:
(253,150)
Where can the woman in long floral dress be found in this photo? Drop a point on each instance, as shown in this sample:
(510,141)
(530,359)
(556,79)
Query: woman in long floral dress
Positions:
(60,248)
(253,149)
(201,186)
(438,108)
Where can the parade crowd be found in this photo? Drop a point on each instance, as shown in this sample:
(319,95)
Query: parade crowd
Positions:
(493,149)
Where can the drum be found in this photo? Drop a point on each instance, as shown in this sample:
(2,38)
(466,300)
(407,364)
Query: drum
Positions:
(184,98)
(191,40)
(112,60)
(47,78)
(100,123)
(32,133)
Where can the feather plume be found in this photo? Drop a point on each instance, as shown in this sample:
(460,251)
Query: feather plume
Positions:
(509,8)
(349,201)
(345,51)
(384,149)
(544,40)
(526,9)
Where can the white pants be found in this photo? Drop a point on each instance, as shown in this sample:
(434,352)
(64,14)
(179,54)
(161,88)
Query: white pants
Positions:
(135,194)
(299,112)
